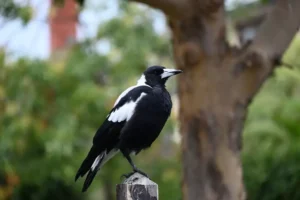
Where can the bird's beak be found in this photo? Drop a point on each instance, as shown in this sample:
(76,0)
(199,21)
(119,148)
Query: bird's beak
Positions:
(170,72)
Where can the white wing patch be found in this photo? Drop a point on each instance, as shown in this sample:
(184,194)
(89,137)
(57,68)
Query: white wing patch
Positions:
(142,81)
(124,112)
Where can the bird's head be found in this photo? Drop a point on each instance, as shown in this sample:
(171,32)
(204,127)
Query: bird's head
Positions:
(157,75)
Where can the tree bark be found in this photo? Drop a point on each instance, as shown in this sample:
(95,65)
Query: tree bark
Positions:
(215,89)
(211,113)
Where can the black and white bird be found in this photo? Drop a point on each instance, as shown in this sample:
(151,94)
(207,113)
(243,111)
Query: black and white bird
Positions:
(136,120)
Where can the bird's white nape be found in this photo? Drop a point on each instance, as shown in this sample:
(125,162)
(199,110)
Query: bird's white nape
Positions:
(123,94)
(142,81)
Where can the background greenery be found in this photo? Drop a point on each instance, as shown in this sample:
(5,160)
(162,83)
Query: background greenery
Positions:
(50,110)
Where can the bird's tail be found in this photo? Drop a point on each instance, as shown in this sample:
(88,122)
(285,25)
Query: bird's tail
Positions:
(93,171)
(92,166)
(87,163)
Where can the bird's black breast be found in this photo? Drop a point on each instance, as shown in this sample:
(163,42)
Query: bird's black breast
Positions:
(148,120)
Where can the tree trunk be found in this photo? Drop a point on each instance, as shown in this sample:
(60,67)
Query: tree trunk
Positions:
(211,113)
(217,84)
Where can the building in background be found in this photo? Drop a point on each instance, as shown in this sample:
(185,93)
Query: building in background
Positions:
(63,21)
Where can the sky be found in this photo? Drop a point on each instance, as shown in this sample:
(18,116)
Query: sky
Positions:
(32,40)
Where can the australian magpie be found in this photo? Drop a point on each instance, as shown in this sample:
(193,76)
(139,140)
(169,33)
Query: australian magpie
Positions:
(137,118)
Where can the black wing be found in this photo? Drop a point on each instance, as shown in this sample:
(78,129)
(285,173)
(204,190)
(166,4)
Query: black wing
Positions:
(117,118)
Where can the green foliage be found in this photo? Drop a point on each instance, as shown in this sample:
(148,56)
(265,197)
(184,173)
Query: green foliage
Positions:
(272,135)
(11,10)
(141,42)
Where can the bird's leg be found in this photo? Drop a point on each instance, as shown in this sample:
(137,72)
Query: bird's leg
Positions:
(135,169)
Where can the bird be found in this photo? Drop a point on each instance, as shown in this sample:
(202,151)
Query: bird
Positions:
(133,124)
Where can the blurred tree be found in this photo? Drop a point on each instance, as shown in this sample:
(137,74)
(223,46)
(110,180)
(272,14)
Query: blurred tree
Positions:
(9,9)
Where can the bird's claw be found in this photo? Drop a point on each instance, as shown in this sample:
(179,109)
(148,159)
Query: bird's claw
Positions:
(134,171)
(141,172)
(127,175)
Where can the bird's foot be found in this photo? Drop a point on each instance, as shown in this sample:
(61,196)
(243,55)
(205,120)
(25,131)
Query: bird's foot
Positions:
(141,172)
(127,175)
(134,171)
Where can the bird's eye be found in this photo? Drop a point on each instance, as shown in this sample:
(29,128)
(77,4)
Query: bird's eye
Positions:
(156,72)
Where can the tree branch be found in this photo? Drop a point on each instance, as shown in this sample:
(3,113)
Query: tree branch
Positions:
(279,29)
(262,56)
(251,23)
(172,8)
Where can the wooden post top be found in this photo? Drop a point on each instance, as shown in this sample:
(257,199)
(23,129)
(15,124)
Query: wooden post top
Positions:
(137,187)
